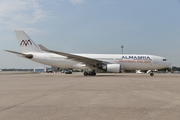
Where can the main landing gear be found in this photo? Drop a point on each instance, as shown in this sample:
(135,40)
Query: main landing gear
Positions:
(90,73)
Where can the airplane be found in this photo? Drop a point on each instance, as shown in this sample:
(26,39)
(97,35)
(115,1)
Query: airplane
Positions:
(90,63)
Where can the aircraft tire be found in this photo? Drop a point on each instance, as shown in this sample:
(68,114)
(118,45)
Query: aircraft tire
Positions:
(152,74)
(85,74)
(93,73)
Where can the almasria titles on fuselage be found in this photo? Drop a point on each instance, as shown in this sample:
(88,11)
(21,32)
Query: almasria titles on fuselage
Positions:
(136,57)
(89,62)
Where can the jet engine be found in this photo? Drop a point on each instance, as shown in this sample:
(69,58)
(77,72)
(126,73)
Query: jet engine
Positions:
(113,68)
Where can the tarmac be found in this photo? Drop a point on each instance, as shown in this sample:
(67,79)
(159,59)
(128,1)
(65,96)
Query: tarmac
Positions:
(102,97)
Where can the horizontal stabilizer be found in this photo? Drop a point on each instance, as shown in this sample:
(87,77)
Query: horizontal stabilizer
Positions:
(21,54)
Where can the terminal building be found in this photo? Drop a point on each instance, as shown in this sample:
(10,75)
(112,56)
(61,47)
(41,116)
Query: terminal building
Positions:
(46,69)
(39,69)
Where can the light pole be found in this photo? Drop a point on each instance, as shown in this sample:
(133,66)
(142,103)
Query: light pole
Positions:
(122,48)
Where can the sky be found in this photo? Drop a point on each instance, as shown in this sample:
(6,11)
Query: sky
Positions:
(91,26)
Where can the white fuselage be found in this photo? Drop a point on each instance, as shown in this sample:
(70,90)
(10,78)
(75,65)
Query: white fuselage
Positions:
(127,61)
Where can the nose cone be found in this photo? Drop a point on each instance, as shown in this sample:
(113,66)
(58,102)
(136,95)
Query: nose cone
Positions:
(165,62)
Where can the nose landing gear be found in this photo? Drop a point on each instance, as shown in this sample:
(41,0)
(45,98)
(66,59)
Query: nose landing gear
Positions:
(151,73)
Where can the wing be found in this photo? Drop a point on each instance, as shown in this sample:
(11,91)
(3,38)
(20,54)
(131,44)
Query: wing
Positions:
(91,63)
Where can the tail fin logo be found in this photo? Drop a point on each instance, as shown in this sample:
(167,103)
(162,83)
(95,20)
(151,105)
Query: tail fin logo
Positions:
(26,43)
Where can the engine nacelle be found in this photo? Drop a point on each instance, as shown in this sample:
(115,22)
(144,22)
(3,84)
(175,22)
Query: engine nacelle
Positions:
(113,68)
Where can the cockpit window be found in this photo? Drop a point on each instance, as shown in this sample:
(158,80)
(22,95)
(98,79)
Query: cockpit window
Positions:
(164,59)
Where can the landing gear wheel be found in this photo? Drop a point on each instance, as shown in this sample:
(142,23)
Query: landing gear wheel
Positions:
(85,74)
(94,74)
(90,73)
(152,74)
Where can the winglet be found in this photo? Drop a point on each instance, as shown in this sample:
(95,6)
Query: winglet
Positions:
(43,48)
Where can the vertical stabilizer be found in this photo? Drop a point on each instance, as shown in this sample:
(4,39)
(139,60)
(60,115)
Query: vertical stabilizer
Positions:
(25,42)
